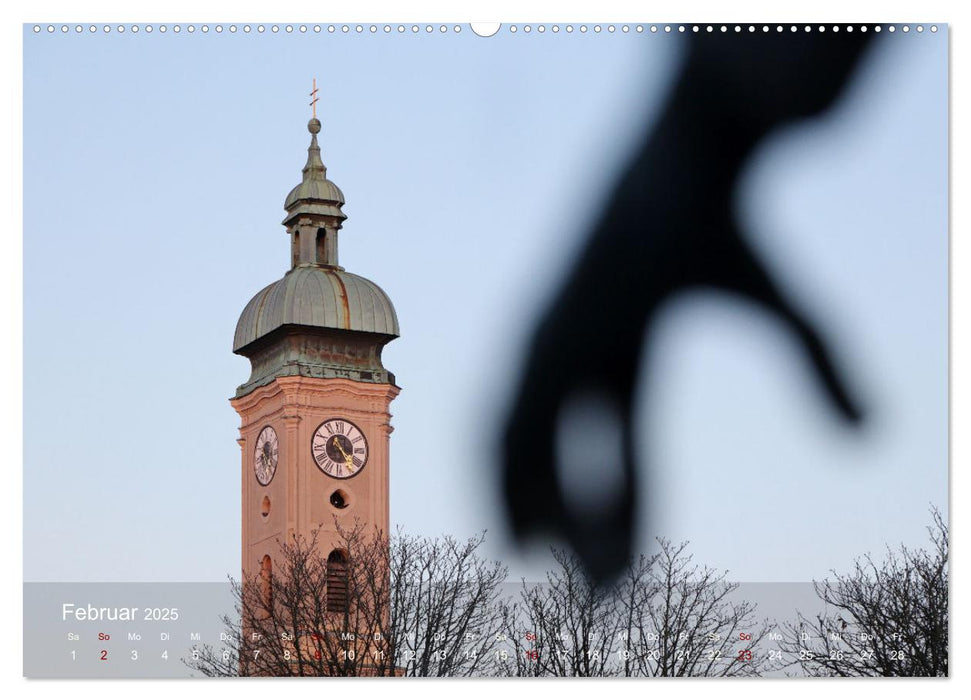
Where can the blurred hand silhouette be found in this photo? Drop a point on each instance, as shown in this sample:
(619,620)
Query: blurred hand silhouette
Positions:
(668,227)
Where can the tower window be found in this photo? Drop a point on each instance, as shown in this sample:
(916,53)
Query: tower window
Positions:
(266,506)
(266,582)
(295,248)
(336,581)
(322,247)
(339,499)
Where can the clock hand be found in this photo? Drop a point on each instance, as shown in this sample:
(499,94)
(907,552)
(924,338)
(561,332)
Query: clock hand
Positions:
(337,444)
(347,457)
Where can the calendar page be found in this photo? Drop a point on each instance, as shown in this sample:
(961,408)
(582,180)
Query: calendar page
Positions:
(598,349)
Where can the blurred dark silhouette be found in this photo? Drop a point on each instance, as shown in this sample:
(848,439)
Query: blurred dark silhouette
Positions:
(668,227)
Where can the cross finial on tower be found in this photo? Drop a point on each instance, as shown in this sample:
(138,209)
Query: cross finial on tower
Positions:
(313,102)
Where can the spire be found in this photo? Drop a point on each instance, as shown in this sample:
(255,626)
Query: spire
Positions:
(315,196)
(315,168)
(314,215)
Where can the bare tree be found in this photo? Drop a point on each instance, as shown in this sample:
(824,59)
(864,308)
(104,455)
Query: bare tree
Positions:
(682,619)
(563,627)
(444,605)
(664,617)
(881,619)
(406,607)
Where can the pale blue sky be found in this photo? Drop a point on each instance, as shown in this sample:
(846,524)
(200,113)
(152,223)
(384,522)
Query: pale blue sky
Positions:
(155,168)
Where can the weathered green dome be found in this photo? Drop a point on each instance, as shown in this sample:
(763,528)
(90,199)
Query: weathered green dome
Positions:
(316,197)
(318,297)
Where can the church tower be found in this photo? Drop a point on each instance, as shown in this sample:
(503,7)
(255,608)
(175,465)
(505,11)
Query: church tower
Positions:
(314,413)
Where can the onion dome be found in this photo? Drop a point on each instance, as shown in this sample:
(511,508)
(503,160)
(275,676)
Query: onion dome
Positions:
(319,297)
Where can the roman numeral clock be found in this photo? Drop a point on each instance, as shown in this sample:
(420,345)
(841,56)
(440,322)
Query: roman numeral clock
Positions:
(314,413)
(340,448)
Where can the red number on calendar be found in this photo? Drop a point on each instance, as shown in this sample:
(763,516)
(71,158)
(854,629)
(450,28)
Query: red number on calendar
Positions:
(104,654)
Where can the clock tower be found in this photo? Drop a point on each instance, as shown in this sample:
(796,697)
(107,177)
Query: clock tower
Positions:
(314,413)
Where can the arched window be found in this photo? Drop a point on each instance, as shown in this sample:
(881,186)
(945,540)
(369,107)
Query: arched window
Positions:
(336,581)
(266,582)
(322,257)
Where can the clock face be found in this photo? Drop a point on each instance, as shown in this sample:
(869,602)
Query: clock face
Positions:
(266,455)
(339,448)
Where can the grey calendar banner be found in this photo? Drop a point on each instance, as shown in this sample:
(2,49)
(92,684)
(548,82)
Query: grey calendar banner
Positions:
(120,630)
(151,630)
